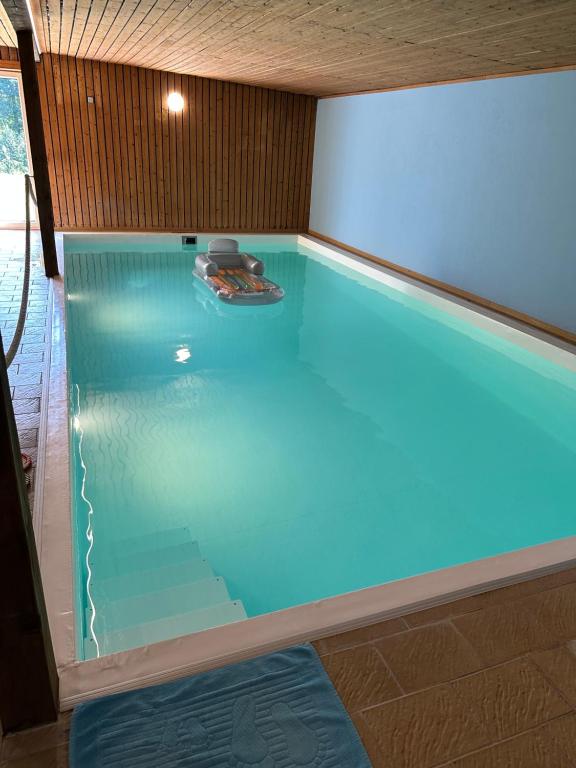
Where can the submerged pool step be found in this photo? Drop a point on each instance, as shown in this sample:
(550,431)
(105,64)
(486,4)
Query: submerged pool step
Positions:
(164,629)
(153,587)
(117,561)
(143,545)
(184,598)
(150,580)
(145,542)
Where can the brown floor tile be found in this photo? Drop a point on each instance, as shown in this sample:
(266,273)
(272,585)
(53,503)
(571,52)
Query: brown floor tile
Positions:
(511,698)
(424,729)
(550,746)
(28,742)
(370,743)
(31,357)
(27,421)
(26,405)
(427,656)
(35,320)
(29,369)
(57,757)
(34,336)
(361,677)
(559,666)
(31,346)
(22,378)
(504,632)
(28,391)
(440,724)
(556,609)
(28,438)
(359,636)
(490,598)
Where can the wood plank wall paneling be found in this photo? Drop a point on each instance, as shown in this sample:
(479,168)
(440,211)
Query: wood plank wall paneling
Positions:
(237,158)
(8,54)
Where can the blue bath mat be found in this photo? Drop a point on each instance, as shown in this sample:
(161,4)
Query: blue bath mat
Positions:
(277,711)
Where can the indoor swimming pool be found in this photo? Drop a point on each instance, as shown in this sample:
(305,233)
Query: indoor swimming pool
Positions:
(229,462)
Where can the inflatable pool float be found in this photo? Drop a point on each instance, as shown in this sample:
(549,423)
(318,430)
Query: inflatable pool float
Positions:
(234,277)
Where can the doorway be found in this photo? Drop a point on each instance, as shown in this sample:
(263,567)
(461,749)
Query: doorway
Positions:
(14,151)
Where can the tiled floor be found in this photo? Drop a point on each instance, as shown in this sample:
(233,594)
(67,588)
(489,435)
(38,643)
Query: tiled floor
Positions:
(27,369)
(489,681)
(485,682)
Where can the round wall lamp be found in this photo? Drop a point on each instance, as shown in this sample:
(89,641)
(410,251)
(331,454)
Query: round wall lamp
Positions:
(175,102)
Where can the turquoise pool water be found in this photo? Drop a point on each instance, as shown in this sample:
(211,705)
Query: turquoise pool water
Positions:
(343,438)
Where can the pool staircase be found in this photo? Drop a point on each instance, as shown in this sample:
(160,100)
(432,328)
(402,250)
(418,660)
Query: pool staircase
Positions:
(153,587)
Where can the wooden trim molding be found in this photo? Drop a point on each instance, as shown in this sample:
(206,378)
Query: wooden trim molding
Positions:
(456,81)
(177,231)
(533,322)
(9,64)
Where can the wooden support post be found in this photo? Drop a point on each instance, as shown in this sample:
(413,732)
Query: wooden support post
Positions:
(37,149)
(28,676)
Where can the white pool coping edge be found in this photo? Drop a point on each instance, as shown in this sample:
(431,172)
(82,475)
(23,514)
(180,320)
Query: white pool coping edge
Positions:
(520,334)
(52,510)
(38,506)
(190,654)
(170,659)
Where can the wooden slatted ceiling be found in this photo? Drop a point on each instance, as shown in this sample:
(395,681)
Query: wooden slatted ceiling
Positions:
(7,34)
(316,46)
(238,158)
